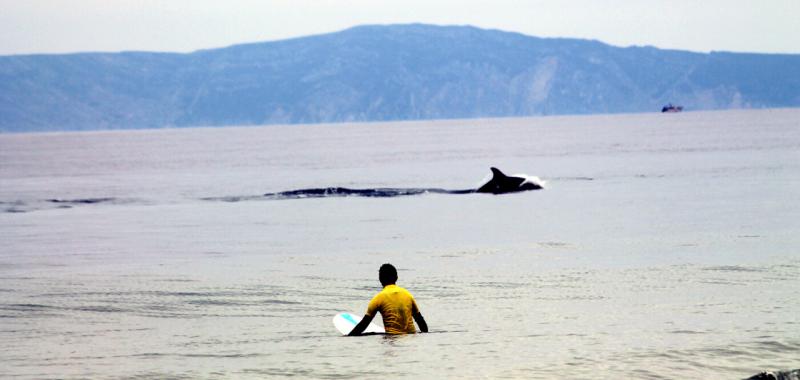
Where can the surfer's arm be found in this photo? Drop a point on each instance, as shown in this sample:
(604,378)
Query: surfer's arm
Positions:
(361,326)
(420,322)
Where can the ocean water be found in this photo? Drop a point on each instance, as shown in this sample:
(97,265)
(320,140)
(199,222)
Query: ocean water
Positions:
(663,247)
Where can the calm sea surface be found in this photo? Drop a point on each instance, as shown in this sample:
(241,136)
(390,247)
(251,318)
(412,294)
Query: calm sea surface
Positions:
(664,246)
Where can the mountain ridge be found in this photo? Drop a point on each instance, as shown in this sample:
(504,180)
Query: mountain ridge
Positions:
(381,73)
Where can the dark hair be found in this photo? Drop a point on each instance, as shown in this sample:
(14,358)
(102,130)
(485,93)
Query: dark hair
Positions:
(387,274)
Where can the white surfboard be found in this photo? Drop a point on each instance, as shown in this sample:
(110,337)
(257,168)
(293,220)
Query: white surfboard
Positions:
(345,322)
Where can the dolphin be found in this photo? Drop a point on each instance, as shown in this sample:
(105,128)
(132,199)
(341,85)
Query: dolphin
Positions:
(498,184)
(501,183)
(777,375)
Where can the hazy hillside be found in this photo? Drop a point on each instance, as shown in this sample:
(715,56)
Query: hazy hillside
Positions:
(380,73)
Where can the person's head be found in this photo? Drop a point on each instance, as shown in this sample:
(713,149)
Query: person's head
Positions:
(387,274)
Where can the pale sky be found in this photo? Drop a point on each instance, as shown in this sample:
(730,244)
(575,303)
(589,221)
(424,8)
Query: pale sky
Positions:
(59,26)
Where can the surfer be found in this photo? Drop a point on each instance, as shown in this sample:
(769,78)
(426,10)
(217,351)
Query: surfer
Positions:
(396,305)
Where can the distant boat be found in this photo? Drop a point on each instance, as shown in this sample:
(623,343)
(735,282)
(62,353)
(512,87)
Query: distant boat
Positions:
(670,108)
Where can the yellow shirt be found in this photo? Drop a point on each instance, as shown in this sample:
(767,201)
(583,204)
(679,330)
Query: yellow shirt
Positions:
(397,308)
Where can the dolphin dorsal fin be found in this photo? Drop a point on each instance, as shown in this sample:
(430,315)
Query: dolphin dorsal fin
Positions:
(496,173)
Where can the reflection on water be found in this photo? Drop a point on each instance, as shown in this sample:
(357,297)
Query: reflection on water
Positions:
(663,249)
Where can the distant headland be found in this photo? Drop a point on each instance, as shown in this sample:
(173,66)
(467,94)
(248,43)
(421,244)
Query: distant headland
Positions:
(381,73)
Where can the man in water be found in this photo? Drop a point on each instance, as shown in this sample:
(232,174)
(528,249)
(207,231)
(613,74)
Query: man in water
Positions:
(396,305)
